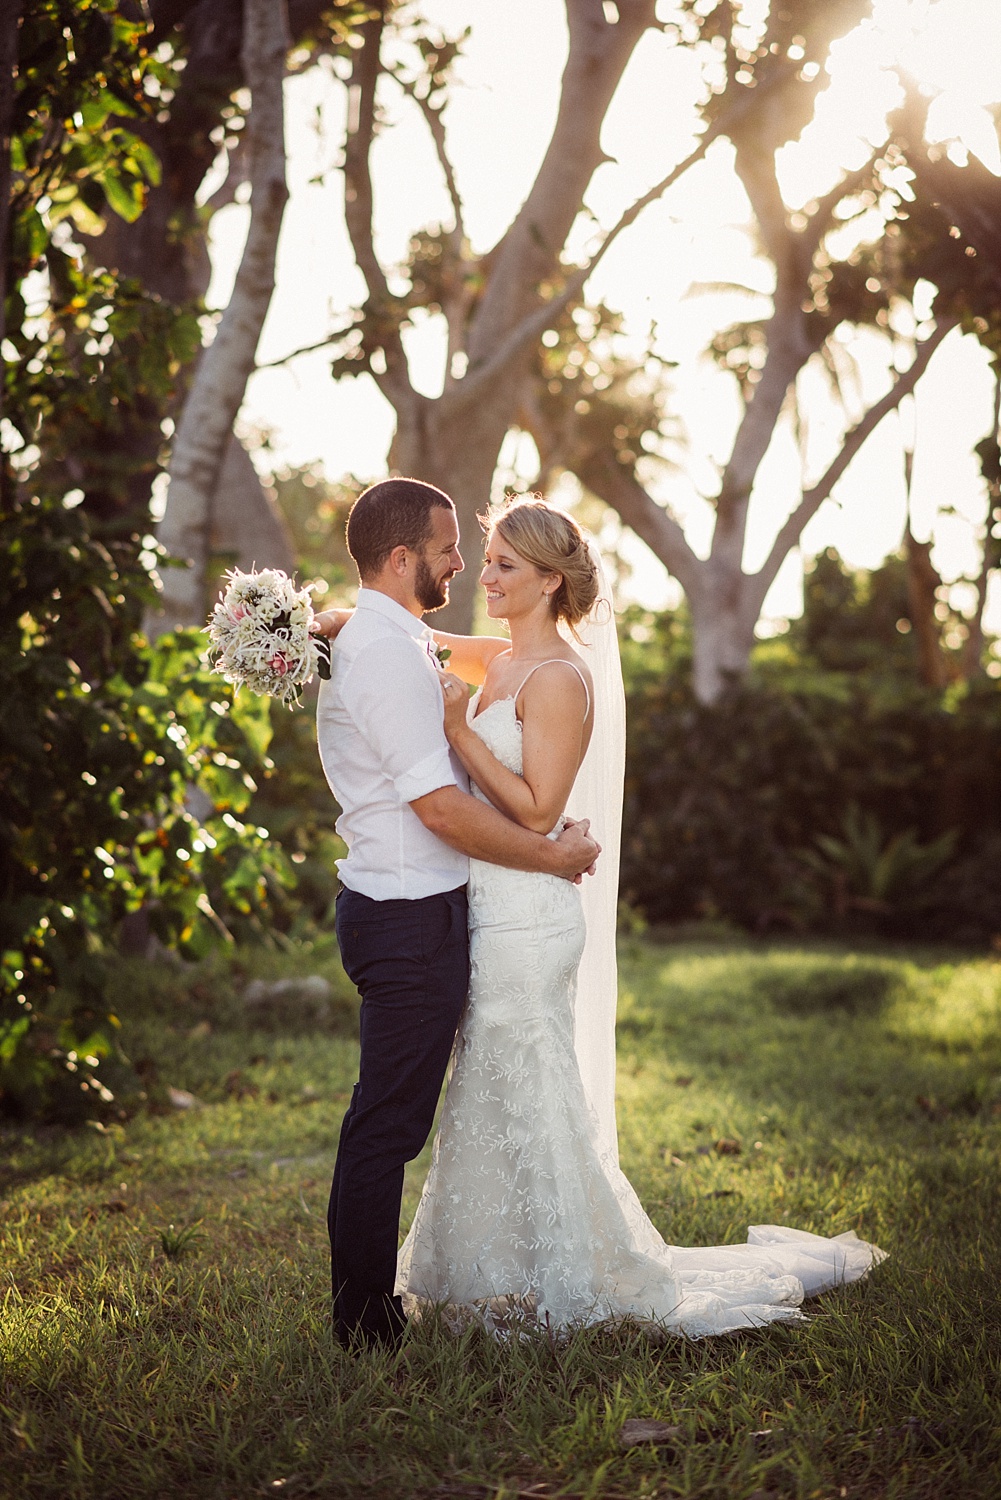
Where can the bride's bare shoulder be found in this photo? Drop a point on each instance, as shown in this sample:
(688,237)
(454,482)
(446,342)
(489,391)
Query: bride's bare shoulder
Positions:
(545,677)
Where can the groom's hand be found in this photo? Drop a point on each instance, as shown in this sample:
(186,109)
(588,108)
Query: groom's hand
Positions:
(578,850)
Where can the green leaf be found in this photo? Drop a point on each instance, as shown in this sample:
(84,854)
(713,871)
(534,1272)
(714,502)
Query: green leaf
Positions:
(96,111)
(126,199)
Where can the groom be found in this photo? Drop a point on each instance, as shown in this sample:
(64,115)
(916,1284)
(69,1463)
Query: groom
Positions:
(410,825)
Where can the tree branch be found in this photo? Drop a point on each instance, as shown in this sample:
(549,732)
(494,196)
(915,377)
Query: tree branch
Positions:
(531,328)
(755,166)
(812,498)
(534,324)
(436,126)
(527,255)
(456,279)
(286,359)
(618,486)
(820,219)
(383,308)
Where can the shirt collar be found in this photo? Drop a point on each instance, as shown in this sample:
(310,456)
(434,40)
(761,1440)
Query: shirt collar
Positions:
(382,604)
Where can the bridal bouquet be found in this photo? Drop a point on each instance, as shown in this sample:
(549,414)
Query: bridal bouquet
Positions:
(260,635)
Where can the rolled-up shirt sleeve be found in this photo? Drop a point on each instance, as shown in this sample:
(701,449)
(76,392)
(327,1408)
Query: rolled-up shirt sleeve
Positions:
(394,698)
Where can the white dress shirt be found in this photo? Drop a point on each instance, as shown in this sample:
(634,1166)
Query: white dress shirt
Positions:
(380,726)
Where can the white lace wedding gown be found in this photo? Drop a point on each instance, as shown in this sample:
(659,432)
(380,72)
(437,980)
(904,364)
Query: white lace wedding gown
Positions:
(523,1210)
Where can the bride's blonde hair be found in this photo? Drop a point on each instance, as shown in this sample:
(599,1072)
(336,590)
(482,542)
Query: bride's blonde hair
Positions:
(552,542)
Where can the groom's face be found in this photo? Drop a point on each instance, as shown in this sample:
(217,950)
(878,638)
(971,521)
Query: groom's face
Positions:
(438,561)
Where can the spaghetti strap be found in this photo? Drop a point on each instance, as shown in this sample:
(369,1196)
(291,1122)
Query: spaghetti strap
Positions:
(563,662)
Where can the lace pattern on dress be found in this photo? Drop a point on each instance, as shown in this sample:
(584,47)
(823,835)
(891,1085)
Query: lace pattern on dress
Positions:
(522,1214)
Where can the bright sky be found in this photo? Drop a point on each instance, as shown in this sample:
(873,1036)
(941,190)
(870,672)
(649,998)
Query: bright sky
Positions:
(499,120)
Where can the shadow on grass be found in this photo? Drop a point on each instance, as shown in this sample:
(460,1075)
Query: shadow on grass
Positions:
(799,1085)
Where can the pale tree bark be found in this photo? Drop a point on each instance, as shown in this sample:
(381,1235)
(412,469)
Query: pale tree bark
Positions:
(498,306)
(217,391)
(522,288)
(725,602)
(454,440)
(734,601)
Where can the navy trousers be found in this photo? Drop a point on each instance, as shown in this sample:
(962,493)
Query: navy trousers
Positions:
(410,962)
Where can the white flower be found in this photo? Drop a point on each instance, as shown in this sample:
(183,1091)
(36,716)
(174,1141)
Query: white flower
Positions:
(260,636)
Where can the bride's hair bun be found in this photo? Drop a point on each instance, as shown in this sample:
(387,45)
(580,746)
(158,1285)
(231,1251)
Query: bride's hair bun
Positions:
(554,543)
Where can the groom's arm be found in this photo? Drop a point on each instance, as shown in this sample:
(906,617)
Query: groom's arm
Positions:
(474,828)
(394,698)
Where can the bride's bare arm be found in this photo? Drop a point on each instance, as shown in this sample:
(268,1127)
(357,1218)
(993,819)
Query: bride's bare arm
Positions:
(330,622)
(554,712)
(471,654)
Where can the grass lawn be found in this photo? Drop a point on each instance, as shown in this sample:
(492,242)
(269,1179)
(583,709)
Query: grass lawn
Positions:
(165,1293)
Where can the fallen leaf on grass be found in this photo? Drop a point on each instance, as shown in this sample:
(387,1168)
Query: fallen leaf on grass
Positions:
(115,1206)
(200,1031)
(672,1161)
(683,1082)
(728,1145)
(645,1430)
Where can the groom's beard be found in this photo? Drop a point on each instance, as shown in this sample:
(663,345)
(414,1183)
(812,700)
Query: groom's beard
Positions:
(431,592)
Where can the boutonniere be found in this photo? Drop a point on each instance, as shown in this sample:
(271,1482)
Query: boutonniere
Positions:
(439,654)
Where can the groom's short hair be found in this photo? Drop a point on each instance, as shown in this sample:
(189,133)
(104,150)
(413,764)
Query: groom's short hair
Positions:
(392,513)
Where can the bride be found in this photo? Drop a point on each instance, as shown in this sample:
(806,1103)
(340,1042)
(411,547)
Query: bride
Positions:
(525,1212)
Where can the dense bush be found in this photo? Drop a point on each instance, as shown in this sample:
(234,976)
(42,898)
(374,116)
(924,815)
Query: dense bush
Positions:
(296,805)
(125,771)
(808,797)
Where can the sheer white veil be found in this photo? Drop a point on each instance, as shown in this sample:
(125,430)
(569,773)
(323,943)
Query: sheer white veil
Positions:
(597,794)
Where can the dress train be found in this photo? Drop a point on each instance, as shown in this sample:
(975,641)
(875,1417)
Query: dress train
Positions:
(523,1209)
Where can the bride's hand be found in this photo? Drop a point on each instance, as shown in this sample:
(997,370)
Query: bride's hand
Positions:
(456,695)
(577,842)
(330,622)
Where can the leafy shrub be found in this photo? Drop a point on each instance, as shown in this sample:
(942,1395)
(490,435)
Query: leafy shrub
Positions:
(124,772)
(722,801)
(297,806)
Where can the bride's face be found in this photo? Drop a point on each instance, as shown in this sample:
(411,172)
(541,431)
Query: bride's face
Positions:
(514,586)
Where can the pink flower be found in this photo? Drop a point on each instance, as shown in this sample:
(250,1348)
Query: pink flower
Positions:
(278,664)
(237,613)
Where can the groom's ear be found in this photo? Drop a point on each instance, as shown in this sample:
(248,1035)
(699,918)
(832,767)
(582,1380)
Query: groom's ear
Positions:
(398,560)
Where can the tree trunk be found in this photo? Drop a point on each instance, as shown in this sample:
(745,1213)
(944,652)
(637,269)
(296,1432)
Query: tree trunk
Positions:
(248,529)
(457,451)
(220,382)
(723,621)
(923,582)
(454,441)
